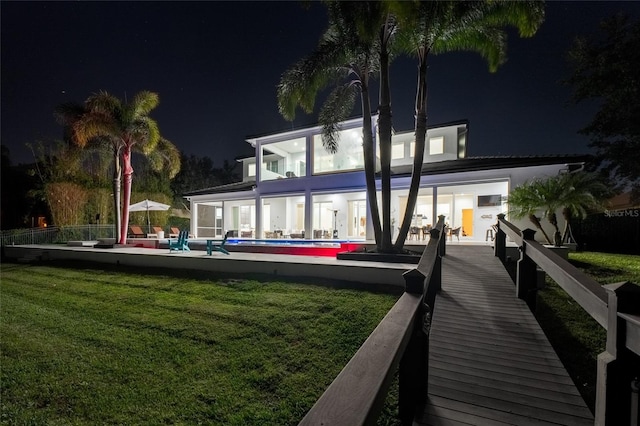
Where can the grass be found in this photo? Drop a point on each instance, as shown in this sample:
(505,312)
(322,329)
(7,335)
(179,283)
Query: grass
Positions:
(96,345)
(577,338)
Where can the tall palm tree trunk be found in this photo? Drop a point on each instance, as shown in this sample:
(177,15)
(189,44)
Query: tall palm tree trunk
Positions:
(384,130)
(128,176)
(369,163)
(418,155)
(116,192)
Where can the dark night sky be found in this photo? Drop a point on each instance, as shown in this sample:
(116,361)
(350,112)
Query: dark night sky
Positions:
(216,65)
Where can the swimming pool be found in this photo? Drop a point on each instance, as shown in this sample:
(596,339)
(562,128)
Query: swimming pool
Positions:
(292,246)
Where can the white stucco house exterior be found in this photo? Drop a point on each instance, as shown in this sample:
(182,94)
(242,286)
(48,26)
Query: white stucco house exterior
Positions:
(300,191)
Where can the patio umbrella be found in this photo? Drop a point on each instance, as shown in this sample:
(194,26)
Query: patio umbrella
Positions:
(148,205)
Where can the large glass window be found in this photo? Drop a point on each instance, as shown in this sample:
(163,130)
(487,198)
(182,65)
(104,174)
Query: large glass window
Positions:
(463,206)
(243,218)
(284,159)
(357,219)
(348,157)
(460,205)
(422,216)
(283,217)
(397,151)
(339,215)
(323,217)
(436,145)
(209,220)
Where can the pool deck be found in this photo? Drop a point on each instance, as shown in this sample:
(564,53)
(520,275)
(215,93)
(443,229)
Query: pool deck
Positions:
(294,266)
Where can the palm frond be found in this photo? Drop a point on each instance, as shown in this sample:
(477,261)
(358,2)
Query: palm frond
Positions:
(524,15)
(490,43)
(582,192)
(300,84)
(104,103)
(166,156)
(68,113)
(144,102)
(347,52)
(524,200)
(475,26)
(145,134)
(336,109)
(90,126)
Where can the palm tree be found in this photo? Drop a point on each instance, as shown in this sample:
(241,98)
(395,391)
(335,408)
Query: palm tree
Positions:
(438,27)
(368,29)
(539,194)
(581,192)
(75,118)
(128,128)
(347,56)
(574,193)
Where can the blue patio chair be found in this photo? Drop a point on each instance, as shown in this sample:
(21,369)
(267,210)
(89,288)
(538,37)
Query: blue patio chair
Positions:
(218,245)
(182,243)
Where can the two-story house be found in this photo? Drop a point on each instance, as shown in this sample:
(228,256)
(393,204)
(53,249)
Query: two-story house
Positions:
(293,188)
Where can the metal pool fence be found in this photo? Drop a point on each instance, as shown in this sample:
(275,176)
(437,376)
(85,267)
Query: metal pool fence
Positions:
(55,234)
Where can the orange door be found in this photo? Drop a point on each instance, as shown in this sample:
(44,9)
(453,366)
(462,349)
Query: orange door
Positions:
(467,222)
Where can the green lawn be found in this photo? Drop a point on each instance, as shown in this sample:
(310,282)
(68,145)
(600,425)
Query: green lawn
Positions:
(577,338)
(105,346)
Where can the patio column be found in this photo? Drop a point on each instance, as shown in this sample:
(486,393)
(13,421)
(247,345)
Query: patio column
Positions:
(308,207)
(258,231)
(434,213)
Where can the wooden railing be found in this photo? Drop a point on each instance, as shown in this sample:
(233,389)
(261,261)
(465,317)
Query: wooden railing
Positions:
(616,307)
(399,343)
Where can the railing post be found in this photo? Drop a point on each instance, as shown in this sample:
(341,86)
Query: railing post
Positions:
(526,275)
(435,283)
(618,367)
(500,242)
(414,370)
(443,246)
(435,234)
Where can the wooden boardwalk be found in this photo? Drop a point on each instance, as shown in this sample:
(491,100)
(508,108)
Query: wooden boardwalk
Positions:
(490,363)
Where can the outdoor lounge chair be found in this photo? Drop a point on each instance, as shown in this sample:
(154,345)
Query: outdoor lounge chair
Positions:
(182,243)
(218,245)
(136,232)
(156,231)
(174,232)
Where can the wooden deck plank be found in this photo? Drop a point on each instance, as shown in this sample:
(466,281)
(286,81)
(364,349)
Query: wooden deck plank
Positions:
(534,400)
(518,387)
(520,346)
(491,358)
(523,408)
(471,373)
(495,335)
(487,349)
(490,363)
(452,412)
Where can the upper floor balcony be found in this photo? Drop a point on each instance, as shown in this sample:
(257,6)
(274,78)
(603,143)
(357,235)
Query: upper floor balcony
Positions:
(301,153)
